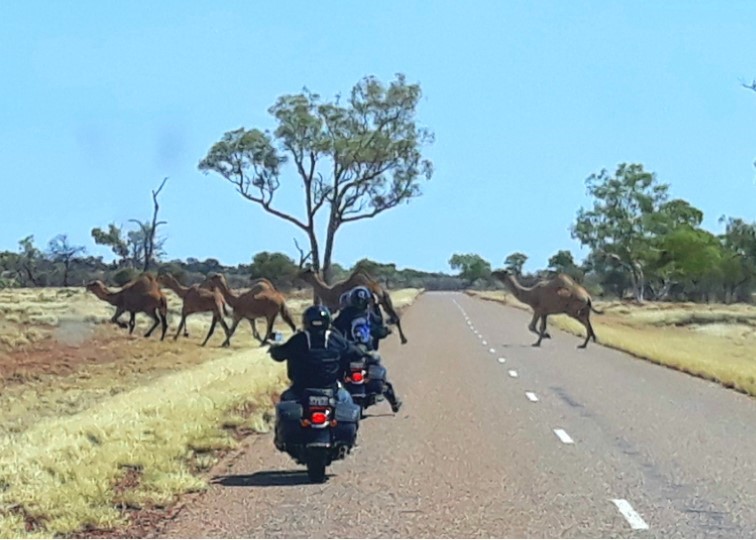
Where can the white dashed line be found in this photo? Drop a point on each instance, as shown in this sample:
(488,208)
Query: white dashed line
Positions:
(562,434)
(512,373)
(632,517)
(492,351)
(531,396)
(484,342)
(502,359)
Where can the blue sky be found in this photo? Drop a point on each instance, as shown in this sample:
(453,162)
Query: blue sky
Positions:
(99,101)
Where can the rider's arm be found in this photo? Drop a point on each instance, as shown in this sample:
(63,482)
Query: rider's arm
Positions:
(282,352)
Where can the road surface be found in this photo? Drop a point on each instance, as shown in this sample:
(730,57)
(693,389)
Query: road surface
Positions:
(500,439)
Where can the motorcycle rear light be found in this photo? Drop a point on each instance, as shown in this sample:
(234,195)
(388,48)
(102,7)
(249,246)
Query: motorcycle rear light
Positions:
(318,418)
(357,377)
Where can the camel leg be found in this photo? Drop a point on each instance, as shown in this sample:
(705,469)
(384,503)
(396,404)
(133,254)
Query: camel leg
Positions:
(181,325)
(223,324)
(255,333)
(590,334)
(401,333)
(231,331)
(532,325)
(119,311)
(532,328)
(212,329)
(155,318)
(132,321)
(269,328)
(544,333)
(164,324)
(543,327)
(388,306)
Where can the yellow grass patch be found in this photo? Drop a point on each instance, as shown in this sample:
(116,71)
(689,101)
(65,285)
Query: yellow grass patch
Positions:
(158,412)
(715,342)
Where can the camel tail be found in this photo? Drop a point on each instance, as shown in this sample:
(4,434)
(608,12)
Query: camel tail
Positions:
(593,309)
(164,305)
(286,316)
(389,305)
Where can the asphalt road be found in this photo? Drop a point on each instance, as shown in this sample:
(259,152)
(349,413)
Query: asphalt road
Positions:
(499,439)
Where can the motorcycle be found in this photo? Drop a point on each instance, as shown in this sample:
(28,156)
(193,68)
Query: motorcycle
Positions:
(315,431)
(364,382)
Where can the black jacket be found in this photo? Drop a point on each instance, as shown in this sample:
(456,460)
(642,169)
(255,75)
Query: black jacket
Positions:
(316,360)
(378,331)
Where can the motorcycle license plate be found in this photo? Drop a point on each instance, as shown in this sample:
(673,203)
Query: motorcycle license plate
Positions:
(319,401)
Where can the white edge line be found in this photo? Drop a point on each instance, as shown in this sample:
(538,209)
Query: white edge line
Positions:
(632,517)
(562,434)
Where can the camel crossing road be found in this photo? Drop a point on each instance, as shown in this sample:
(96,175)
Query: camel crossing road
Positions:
(500,439)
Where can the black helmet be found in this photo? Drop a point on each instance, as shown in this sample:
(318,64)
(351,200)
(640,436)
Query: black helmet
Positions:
(316,318)
(360,298)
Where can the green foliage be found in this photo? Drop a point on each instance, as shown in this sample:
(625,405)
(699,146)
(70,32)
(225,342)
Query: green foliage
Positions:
(277,267)
(174,268)
(471,267)
(124,275)
(515,262)
(355,159)
(113,239)
(562,262)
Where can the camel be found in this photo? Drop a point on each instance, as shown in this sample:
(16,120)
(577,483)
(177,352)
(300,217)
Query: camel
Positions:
(196,300)
(142,294)
(559,294)
(330,296)
(252,304)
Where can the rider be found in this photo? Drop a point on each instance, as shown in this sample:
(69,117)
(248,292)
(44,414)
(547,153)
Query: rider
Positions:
(317,357)
(360,323)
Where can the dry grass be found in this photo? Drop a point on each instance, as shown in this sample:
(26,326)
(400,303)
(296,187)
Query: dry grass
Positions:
(715,342)
(96,408)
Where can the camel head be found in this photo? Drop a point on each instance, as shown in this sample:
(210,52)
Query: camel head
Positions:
(96,286)
(501,275)
(307,274)
(216,280)
(166,279)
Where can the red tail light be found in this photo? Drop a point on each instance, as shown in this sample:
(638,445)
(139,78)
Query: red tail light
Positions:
(318,418)
(357,377)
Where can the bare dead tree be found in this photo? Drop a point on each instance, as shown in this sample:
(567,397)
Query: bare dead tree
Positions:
(149,230)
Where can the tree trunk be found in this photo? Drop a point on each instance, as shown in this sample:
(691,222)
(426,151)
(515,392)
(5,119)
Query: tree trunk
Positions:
(328,255)
(315,256)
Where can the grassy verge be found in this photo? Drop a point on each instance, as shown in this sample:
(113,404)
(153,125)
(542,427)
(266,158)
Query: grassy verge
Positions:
(714,342)
(139,448)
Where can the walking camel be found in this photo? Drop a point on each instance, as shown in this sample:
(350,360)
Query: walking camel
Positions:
(142,294)
(196,300)
(330,296)
(250,305)
(559,294)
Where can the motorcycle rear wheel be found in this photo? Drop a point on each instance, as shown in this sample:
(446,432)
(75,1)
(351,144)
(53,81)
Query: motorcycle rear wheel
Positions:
(316,467)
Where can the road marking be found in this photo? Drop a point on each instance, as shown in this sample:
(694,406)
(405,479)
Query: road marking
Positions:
(562,434)
(512,373)
(492,351)
(502,359)
(632,517)
(531,396)
(484,341)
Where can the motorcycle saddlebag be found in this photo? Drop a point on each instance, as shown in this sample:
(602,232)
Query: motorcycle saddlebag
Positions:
(289,429)
(376,378)
(347,416)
